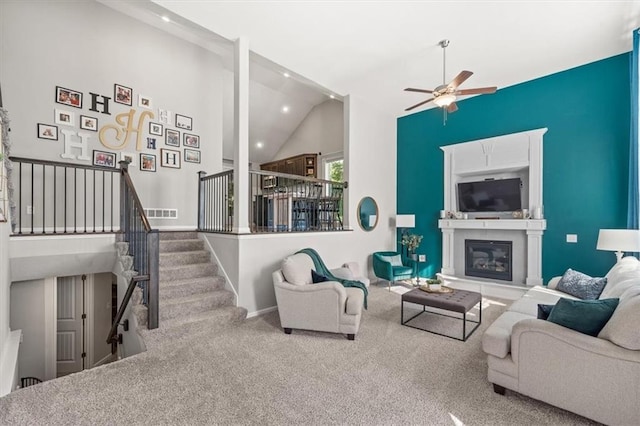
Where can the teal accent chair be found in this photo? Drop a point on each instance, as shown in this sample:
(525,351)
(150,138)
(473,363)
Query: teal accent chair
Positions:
(383,268)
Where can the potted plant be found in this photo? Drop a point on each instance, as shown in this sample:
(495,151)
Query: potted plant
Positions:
(411,242)
(434,284)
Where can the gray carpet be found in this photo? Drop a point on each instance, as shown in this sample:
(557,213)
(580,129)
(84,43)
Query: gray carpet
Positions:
(255,374)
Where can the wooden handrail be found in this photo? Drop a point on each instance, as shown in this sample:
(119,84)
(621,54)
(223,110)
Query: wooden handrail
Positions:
(127,297)
(136,200)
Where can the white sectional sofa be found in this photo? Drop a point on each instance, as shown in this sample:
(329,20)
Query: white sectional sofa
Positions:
(590,376)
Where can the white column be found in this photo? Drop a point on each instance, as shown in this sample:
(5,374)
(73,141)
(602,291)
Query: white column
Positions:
(241,137)
(447,251)
(534,257)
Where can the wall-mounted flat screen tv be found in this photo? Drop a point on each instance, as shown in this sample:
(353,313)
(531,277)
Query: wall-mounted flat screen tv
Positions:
(494,195)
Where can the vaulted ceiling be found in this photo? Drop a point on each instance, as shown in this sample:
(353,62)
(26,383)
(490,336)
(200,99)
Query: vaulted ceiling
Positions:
(374,49)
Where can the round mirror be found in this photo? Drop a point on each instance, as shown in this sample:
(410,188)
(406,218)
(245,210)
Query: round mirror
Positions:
(368,213)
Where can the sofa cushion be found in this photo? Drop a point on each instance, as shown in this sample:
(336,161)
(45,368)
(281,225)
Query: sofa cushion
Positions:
(622,329)
(528,304)
(317,278)
(496,340)
(297,269)
(402,270)
(627,269)
(620,288)
(395,260)
(581,285)
(585,316)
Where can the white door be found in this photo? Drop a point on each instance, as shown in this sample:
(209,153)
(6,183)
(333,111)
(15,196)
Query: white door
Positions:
(70,333)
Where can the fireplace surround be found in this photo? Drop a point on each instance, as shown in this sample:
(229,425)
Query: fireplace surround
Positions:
(507,156)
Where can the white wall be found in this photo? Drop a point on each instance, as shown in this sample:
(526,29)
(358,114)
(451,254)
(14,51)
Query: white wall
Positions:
(27,313)
(101,315)
(322,130)
(5,283)
(88,47)
(370,151)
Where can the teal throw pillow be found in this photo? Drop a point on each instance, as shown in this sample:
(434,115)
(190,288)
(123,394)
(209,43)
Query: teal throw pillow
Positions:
(581,285)
(585,316)
(317,278)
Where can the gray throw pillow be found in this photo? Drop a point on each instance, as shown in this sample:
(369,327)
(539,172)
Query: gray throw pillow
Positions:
(581,285)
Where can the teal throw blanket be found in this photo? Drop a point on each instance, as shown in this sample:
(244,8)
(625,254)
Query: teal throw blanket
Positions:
(322,269)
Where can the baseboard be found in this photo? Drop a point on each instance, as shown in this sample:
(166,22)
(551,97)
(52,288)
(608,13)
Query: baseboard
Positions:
(105,360)
(262,312)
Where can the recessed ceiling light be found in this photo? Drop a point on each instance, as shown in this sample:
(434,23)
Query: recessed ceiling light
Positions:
(286,74)
(259,144)
(285,109)
(332,97)
(166,19)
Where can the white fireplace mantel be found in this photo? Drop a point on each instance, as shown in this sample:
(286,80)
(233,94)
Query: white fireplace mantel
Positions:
(516,154)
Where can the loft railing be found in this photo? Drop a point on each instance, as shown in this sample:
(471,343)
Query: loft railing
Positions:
(215,202)
(289,203)
(53,197)
(279,202)
(144,244)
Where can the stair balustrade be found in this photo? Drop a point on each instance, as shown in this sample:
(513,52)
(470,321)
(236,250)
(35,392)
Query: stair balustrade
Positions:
(54,197)
(215,202)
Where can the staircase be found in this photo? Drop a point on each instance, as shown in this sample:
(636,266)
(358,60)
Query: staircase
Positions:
(193,298)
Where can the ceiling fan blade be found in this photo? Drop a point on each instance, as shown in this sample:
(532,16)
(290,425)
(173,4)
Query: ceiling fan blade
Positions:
(452,107)
(460,78)
(410,89)
(417,105)
(477,91)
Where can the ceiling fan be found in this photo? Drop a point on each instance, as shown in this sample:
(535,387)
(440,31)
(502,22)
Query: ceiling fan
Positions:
(445,95)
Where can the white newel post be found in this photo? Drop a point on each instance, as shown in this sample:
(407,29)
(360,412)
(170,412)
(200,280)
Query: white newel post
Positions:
(241,133)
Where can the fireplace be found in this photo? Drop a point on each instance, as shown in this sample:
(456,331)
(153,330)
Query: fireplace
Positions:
(488,259)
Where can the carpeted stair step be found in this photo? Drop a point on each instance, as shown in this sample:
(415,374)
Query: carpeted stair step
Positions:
(192,326)
(181,245)
(189,287)
(183,272)
(184,258)
(189,305)
(178,235)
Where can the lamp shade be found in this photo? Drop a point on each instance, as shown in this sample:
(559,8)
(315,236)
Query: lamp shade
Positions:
(405,221)
(623,240)
(444,100)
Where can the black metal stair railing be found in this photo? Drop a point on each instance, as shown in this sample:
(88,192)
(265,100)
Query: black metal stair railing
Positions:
(54,197)
(215,202)
(144,244)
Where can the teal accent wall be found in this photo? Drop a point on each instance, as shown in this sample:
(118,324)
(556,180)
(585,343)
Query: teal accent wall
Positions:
(586,150)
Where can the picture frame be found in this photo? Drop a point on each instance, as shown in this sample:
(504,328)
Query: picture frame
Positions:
(88,123)
(68,97)
(47,131)
(128,156)
(64,117)
(147,162)
(151,143)
(104,159)
(184,122)
(122,94)
(170,158)
(172,137)
(155,129)
(144,101)
(192,141)
(191,156)
(164,116)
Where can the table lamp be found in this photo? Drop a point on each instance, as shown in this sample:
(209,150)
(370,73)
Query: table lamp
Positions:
(619,240)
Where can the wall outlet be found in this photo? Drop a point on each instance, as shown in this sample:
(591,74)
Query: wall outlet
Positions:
(422,258)
(572,238)
(29,209)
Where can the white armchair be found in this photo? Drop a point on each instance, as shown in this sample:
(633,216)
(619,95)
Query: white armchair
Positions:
(326,306)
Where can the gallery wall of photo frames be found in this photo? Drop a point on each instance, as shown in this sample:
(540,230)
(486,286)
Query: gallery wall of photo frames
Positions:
(172,135)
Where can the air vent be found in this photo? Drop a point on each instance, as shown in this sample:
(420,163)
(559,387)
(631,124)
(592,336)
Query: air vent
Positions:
(153,213)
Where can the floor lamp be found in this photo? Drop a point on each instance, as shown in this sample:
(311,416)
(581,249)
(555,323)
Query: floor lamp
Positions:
(619,240)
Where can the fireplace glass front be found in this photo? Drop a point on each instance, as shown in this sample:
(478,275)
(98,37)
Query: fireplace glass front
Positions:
(488,259)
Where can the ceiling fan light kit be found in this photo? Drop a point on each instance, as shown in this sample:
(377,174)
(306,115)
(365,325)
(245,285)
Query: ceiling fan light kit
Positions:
(446,95)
